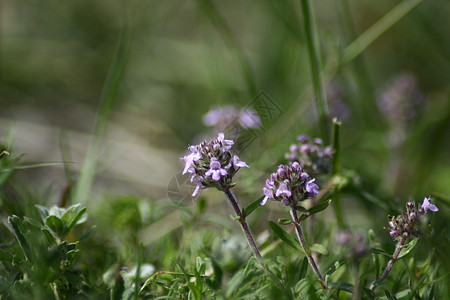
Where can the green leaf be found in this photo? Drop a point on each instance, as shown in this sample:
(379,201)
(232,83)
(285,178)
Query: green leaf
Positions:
(389,296)
(74,215)
(319,249)
(86,234)
(316,209)
(284,236)
(19,230)
(377,250)
(334,267)
(234,283)
(341,285)
(218,273)
(195,291)
(303,268)
(5,257)
(285,221)
(408,247)
(254,205)
(43,212)
(55,224)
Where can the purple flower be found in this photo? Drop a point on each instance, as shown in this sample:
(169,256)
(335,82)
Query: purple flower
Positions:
(426,205)
(289,185)
(311,187)
(283,190)
(215,170)
(239,163)
(212,164)
(226,143)
(223,117)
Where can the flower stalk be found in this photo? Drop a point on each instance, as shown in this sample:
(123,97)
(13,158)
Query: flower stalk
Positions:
(307,251)
(250,239)
(390,264)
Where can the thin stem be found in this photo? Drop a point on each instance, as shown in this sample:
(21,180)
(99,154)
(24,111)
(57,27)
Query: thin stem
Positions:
(314,55)
(336,168)
(390,264)
(301,238)
(251,240)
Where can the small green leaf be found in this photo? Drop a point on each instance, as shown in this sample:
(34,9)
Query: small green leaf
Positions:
(254,205)
(55,224)
(195,291)
(86,234)
(284,236)
(388,295)
(201,205)
(285,221)
(319,249)
(341,285)
(334,267)
(5,257)
(408,247)
(316,209)
(74,215)
(19,230)
(303,268)
(377,250)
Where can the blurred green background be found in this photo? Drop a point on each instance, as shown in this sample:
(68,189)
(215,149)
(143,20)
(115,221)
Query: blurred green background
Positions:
(180,58)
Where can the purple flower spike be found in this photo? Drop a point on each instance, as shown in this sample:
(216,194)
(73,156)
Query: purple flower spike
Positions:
(190,159)
(226,143)
(426,205)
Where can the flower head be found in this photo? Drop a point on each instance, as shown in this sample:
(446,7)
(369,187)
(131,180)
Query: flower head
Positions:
(312,155)
(409,223)
(289,184)
(212,164)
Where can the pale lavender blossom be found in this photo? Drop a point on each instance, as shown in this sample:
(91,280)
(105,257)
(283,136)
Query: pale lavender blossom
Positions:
(312,155)
(215,170)
(223,117)
(426,205)
(289,185)
(212,164)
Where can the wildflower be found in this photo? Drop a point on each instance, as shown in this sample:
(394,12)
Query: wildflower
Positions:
(289,184)
(312,155)
(222,117)
(408,224)
(212,164)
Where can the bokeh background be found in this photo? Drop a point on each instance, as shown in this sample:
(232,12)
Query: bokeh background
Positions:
(179,59)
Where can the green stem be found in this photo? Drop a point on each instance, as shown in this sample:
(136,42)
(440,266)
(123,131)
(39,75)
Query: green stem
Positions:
(336,168)
(314,55)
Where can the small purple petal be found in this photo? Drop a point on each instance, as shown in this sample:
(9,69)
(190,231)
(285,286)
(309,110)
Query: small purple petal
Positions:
(426,205)
(311,187)
(283,190)
(239,163)
(264,201)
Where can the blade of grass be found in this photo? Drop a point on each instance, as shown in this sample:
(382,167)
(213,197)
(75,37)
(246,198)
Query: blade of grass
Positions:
(108,95)
(377,29)
(316,69)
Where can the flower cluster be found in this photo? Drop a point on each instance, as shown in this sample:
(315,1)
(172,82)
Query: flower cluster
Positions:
(401,100)
(312,155)
(289,184)
(212,164)
(408,224)
(222,117)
